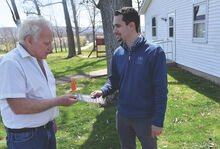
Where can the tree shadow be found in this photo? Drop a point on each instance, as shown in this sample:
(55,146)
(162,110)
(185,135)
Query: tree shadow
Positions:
(104,133)
(78,69)
(201,85)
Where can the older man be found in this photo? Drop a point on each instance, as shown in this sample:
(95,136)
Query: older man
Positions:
(27,90)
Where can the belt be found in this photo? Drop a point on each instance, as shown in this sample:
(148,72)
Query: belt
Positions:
(28,129)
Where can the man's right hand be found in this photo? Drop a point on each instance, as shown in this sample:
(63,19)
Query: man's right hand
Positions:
(97,93)
(30,106)
(66,100)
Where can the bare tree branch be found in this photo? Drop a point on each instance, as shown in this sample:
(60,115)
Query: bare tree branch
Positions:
(81,31)
(91,7)
(36,4)
(37,7)
(49,4)
(29,12)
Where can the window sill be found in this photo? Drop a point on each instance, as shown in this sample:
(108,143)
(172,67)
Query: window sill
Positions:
(199,40)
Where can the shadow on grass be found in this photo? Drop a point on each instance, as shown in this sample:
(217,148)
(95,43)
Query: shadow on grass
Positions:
(104,134)
(203,86)
(79,69)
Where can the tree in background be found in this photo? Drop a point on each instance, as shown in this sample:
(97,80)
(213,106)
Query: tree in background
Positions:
(29,9)
(69,31)
(55,45)
(76,26)
(93,12)
(14,12)
(117,4)
(107,9)
(58,33)
(138,3)
(70,35)
(8,38)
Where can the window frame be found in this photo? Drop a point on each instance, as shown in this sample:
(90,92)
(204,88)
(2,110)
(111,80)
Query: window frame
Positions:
(205,38)
(155,27)
(169,27)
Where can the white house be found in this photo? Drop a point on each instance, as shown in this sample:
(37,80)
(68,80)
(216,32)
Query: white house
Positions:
(189,32)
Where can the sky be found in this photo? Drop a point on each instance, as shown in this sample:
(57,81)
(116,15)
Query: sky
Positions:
(57,11)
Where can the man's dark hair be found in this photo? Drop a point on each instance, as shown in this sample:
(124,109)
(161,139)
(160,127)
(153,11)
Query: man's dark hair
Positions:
(129,14)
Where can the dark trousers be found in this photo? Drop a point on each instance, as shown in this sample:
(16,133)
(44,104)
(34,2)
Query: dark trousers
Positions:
(128,129)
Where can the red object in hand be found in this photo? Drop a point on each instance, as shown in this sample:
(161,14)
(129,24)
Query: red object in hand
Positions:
(73,85)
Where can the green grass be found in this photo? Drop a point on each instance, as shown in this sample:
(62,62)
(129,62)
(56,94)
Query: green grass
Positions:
(193,112)
(84,125)
(192,119)
(61,66)
(93,54)
(1,53)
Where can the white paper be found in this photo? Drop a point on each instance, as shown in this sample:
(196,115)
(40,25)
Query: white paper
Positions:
(88,98)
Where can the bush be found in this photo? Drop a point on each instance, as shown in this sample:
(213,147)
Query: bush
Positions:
(82,41)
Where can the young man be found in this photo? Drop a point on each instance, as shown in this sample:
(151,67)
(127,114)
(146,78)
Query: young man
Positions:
(28,99)
(139,73)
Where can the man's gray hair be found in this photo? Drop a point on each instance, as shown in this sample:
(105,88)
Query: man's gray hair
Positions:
(31,27)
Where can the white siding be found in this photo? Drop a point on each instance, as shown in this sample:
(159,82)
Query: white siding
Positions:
(204,57)
(158,8)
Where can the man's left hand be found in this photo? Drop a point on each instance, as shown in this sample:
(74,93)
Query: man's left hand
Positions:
(156,131)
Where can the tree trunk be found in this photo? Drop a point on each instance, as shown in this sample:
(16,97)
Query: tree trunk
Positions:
(55,45)
(117,4)
(70,36)
(126,3)
(37,7)
(61,46)
(76,27)
(14,12)
(64,43)
(107,8)
(93,37)
(93,26)
(139,6)
(111,43)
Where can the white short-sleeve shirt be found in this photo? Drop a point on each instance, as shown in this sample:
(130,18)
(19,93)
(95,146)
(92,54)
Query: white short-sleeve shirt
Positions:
(22,77)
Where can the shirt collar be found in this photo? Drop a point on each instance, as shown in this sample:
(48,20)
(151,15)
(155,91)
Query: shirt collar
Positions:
(138,41)
(23,52)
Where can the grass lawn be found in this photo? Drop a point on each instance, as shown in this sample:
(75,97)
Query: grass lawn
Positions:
(61,66)
(2,53)
(192,118)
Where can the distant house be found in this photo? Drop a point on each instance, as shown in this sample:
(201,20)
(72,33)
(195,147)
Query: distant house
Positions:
(189,32)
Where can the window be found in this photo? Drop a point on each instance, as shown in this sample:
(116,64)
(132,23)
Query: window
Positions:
(171,27)
(154,27)
(200,21)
